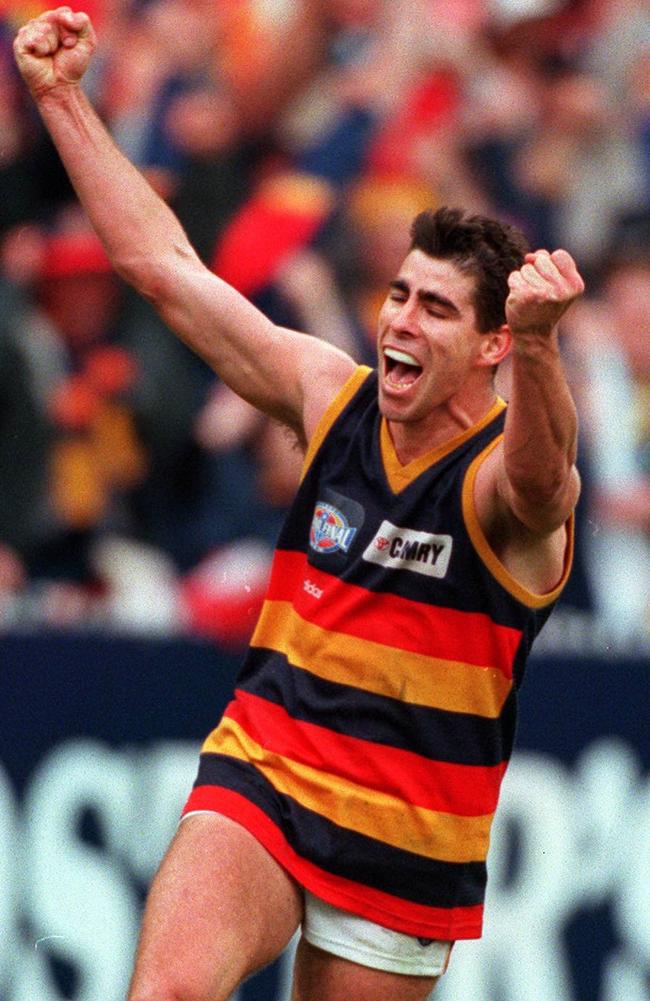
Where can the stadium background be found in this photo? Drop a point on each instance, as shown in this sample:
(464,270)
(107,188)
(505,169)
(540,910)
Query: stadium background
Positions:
(140,501)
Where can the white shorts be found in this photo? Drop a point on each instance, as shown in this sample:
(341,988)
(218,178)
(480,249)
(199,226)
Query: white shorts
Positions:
(369,944)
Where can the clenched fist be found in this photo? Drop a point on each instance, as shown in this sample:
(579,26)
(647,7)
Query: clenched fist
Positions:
(54,49)
(541,291)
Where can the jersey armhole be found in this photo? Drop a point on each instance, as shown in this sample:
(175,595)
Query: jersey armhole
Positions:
(334,409)
(490,558)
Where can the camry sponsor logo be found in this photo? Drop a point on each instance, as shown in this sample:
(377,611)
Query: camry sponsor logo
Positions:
(407,549)
(330,530)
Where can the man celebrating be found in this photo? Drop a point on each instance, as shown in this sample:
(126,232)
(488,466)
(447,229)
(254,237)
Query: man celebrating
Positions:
(351,783)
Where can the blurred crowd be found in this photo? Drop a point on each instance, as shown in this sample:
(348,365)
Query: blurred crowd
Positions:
(296,139)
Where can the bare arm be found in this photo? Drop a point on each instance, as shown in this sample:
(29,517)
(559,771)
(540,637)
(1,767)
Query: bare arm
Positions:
(286,374)
(529,485)
(538,477)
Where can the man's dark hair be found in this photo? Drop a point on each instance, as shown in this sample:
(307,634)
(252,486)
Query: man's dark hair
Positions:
(485,248)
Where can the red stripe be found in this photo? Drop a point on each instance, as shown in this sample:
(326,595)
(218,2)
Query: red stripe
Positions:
(464,790)
(375,905)
(446,633)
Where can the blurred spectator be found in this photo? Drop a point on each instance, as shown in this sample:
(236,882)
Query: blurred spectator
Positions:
(70,409)
(221,597)
(551,145)
(97,453)
(582,167)
(296,141)
(24,447)
(368,245)
(611,336)
(618,38)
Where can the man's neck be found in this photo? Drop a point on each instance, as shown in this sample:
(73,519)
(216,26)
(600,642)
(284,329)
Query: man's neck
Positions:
(413,439)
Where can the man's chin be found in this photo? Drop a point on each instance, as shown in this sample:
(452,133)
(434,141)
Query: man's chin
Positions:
(395,411)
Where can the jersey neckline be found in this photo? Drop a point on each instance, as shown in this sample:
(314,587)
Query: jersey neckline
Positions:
(400,476)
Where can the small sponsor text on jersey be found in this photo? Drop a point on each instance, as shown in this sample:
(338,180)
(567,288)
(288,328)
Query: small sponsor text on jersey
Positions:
(311,588)
(407,549)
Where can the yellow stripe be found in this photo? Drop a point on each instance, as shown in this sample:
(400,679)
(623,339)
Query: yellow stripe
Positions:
(375,814)
(400,476)
(337,405)
(383,670)
(490,558)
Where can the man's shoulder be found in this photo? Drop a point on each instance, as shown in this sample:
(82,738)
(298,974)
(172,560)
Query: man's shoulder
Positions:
(330,388)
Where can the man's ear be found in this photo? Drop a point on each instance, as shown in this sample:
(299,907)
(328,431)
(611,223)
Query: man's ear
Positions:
(495,346)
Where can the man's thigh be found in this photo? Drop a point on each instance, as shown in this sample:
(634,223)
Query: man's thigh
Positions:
(219,908)
(321,976)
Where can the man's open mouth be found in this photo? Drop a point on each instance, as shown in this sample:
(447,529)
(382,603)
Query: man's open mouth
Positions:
(401,369)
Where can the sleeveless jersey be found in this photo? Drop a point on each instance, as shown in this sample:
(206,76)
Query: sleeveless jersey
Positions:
(375,712)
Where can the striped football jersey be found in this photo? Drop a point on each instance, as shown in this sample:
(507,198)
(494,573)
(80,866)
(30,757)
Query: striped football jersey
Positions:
(374,715)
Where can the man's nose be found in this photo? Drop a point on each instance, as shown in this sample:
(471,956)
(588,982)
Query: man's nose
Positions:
(406,318)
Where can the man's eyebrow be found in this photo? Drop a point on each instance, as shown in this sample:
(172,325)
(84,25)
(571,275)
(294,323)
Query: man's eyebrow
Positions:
(426,295)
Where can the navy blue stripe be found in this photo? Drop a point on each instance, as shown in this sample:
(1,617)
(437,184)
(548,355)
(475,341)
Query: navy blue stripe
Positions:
(459,738)
(345,853)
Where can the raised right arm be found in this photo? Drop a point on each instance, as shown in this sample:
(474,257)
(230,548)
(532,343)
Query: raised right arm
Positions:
(288,375)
